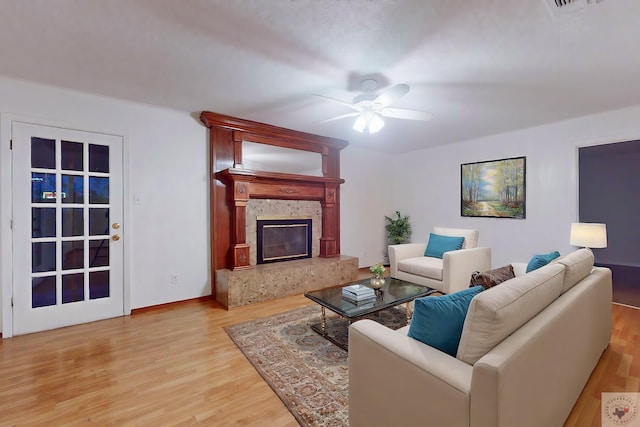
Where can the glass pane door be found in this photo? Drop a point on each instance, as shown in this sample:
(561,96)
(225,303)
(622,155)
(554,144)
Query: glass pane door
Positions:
(75,202)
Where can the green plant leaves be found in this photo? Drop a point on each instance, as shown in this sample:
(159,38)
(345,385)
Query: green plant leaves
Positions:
(398,229)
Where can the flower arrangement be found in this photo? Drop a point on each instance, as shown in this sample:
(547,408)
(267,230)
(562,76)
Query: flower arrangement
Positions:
(377,269)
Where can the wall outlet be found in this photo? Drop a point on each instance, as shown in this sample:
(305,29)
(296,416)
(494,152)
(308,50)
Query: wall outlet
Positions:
(174,279)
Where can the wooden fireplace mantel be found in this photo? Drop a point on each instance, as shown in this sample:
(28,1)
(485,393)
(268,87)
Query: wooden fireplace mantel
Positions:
(232,186)
(286,186)
(249,184)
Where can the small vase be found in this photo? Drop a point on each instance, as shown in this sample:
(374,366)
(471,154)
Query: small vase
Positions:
(377,281)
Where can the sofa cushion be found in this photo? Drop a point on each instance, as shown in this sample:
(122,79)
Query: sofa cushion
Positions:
(438,245)
(422,266)
(488,279)
(541,260)
(437,321)
(497,312)
(577,265)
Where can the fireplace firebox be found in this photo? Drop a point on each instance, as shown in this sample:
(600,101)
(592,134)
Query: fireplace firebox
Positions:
(283,239)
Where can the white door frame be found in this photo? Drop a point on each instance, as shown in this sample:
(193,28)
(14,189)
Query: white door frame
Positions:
(6,200)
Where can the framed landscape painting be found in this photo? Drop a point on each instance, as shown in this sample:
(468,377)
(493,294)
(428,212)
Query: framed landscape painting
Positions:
(493,188)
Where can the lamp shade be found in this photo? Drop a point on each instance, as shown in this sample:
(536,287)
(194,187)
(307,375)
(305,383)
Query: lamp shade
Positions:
(588,235)
(369,120)
(375,124)
(360,123)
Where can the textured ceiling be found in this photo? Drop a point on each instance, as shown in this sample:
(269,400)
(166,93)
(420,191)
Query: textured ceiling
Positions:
(480,66)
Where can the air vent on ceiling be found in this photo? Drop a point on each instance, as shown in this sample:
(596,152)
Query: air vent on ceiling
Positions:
(562,7)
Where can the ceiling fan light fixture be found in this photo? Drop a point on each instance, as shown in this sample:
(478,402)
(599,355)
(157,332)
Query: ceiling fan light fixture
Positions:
(370,108)
(360,123)
(375,123)
(368,120)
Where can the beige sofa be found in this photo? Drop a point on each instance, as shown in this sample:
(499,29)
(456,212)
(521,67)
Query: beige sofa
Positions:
(528,346)
(447,275)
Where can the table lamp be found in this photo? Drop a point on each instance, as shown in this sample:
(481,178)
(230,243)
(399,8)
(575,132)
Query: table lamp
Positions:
(588,235)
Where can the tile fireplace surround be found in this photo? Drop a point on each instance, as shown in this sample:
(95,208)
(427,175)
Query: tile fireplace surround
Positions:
(282,208)
(269,281)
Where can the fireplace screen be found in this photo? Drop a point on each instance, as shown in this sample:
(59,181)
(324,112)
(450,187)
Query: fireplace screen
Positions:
(283,239)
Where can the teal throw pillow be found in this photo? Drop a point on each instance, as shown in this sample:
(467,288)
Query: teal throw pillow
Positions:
(438,245)
(437,321)
(541,260)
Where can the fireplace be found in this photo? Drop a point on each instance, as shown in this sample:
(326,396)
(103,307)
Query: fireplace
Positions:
(283,239)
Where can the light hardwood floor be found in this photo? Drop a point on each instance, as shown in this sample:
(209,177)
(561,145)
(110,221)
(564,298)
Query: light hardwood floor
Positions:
(175,365)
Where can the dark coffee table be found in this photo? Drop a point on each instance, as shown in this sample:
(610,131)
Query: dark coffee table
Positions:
(394,292)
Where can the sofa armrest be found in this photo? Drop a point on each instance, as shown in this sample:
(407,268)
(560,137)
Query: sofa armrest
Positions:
(457,267)
(561,345)
(404,251)
(393,377)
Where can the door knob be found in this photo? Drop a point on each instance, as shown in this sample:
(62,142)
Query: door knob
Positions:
(115,237)
(115,225)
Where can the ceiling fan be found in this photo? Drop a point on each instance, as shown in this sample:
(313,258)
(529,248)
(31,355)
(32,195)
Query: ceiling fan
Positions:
(370,108)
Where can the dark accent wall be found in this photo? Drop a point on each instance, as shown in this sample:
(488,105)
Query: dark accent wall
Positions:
(609,192)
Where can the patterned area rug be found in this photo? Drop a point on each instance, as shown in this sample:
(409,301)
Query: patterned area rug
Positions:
(307,372)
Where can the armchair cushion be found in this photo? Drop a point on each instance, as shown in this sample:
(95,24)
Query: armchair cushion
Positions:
(470,236)
(437,321)
(422,266)
(438,245)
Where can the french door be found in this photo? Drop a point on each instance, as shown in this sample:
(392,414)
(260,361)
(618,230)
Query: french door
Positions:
(67,227)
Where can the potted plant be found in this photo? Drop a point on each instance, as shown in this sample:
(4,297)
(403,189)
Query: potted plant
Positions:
(398,229)
(377,270)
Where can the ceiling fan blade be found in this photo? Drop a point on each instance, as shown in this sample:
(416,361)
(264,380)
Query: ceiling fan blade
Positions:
(344,116)
(399,113)
(390,96)
(346,104)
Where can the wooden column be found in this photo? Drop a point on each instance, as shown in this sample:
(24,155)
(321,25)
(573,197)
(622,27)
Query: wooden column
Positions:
(329,243)
(240,250)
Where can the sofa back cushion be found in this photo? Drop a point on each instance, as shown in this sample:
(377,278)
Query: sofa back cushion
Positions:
(470,236)
(497,312)
(577,265)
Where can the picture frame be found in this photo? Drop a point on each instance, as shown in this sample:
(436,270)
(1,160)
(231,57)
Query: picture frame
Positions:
(494,188)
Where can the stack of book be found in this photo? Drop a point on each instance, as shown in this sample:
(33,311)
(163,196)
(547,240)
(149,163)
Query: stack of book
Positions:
(358,294)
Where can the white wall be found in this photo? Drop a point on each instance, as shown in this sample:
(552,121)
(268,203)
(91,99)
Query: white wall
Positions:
(427,183)
(167,154)
(364,201)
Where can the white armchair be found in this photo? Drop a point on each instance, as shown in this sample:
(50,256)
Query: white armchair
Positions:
(451,273)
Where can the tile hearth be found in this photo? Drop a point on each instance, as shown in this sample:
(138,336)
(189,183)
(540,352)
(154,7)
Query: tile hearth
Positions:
(270,281)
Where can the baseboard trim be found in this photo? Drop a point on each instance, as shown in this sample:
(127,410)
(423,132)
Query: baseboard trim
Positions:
(612,266)
(170,304)
(625,305)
